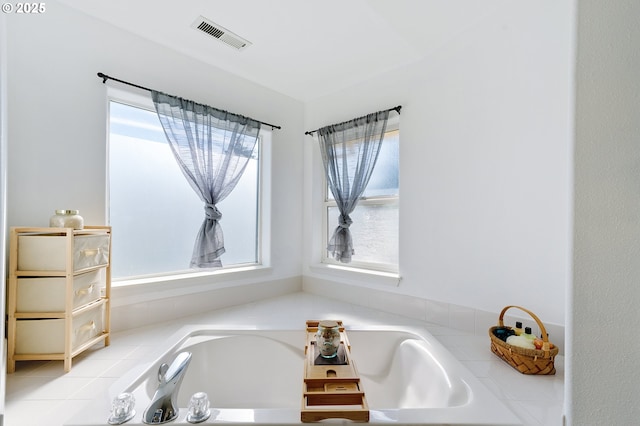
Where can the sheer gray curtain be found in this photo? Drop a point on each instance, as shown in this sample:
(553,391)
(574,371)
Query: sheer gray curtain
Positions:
(349,153)
(212,148)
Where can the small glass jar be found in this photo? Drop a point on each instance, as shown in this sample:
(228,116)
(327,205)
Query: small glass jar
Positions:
(328,339)
(67,219)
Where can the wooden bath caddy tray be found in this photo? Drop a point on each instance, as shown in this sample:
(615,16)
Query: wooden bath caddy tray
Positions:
(331,388)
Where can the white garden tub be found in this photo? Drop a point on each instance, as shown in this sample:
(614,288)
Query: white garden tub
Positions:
(255,377)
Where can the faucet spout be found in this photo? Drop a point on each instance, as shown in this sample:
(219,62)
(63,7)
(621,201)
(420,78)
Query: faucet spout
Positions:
(163,407)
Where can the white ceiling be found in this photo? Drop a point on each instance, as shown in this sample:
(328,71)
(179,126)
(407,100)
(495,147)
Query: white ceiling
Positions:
(301,48)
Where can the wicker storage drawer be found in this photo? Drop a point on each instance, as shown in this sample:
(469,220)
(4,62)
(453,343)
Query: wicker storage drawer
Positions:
(46,336)
(49,252)
(47,294)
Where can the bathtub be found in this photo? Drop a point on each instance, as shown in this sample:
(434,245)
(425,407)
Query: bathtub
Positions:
(255,377)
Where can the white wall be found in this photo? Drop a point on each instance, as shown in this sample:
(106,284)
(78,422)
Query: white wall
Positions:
(485,174)
(605,296)
(3,199)
(58,127)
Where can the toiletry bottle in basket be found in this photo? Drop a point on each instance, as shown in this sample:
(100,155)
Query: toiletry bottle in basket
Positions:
(518,328)
(527,333)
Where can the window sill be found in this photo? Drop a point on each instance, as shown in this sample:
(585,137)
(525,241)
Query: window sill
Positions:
(357,275)
(144,289)
(186,276)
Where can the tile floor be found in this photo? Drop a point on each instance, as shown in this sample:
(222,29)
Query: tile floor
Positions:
(40,394)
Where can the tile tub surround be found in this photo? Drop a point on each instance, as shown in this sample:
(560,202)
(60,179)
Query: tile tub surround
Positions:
(448,315)
(39,393)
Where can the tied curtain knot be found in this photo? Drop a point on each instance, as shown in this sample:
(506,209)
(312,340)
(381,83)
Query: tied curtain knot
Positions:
(212,212)
(344,221)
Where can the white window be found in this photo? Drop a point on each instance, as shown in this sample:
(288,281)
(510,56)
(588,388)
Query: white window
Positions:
(154,212)
(375,219)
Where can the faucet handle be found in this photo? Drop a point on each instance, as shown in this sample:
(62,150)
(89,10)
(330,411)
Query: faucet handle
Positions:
(122,409)
(198,408)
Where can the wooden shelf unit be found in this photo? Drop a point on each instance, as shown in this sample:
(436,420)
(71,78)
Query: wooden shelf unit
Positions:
(99,306)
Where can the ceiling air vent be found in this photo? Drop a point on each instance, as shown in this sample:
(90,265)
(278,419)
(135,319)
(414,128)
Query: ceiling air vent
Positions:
(220,33)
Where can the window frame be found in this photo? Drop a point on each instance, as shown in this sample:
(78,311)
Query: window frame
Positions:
(142,100)
(393,125)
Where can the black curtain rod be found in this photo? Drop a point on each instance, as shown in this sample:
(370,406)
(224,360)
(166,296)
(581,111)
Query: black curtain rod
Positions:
(396,109)
(105,77)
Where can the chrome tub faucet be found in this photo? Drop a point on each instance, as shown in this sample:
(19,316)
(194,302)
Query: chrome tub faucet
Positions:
(163,407)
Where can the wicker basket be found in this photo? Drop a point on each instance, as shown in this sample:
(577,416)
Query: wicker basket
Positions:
(526,361)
